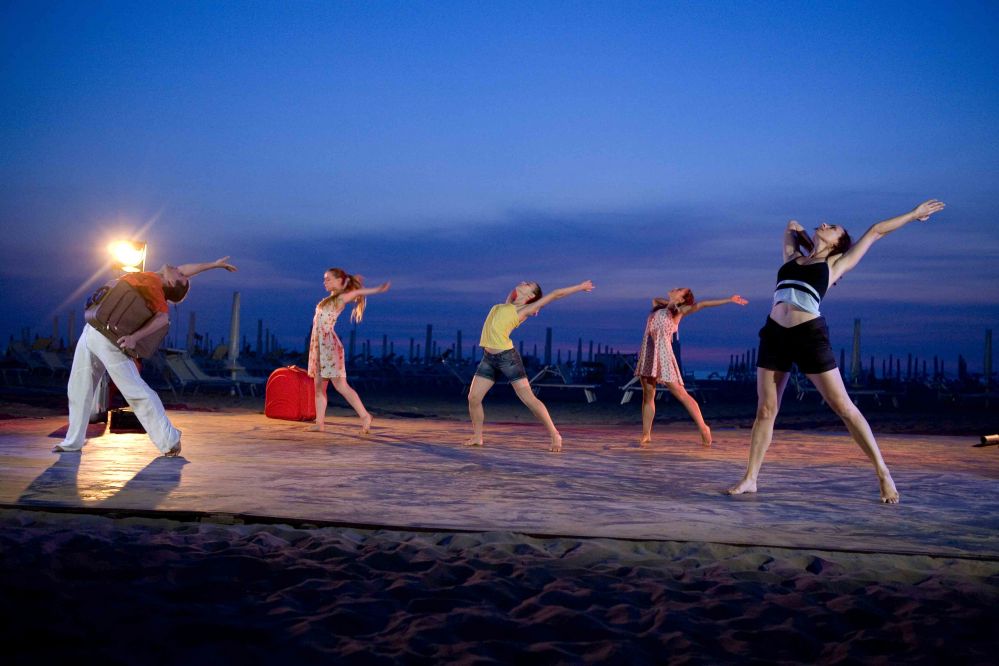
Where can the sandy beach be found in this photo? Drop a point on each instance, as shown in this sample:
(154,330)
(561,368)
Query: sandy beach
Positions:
(158,591)
(662,568)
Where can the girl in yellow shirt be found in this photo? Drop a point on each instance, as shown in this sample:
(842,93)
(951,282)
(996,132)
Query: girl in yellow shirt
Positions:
(500,358)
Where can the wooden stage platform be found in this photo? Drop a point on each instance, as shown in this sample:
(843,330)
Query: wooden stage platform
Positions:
(816,491)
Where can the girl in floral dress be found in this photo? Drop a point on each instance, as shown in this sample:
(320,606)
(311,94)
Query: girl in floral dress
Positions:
(326,361)
(657,363)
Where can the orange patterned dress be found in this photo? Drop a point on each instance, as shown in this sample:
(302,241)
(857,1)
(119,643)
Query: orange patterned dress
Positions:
(325,348)
(656,359)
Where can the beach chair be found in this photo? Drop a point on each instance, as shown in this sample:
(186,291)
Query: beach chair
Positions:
(11,369)
(240,375)
(187,378)
(689,383)
(634,386)
(21,353)
(156,373)
(589,390)
(53,362)
(209,380)
(464,376)
(694,389)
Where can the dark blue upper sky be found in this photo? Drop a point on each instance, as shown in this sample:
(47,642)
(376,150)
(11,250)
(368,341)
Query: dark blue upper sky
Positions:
(457,148)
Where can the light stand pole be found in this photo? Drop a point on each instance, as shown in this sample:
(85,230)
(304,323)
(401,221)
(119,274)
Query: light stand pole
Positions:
(126,257)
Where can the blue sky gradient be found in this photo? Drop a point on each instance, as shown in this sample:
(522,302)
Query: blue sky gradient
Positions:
(457,148)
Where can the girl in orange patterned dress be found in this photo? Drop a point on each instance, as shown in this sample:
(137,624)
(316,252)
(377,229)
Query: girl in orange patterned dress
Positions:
(657,363)
(326,361)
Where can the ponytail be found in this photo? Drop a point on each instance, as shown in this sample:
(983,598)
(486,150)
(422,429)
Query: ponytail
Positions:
(361,302)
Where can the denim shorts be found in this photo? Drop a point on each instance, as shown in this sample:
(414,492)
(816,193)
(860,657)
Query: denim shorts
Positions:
(506,364)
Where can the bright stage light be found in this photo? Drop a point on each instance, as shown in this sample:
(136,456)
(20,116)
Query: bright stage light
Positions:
(128,256)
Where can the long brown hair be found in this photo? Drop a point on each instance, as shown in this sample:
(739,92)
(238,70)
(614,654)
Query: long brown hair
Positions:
(351,282)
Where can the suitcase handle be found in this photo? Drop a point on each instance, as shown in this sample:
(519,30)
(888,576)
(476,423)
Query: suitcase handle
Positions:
(98,296)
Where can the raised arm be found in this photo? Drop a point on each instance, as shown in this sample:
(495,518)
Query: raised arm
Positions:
(349,296)
(839,265)
(533,308)
(700,305)
(796,241)
(190,270)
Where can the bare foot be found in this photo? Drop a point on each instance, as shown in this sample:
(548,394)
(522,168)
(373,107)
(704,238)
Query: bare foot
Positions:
(472,442)
(644,442)
(889,494)
(174,452)
(315,427)
(556,446)
(706,436)
(744,486)
(366,424)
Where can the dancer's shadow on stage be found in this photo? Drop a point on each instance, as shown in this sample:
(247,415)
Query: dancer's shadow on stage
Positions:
(59,486)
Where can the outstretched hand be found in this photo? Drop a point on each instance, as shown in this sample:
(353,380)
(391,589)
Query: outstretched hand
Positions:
(738,300)
(586,285)
(383,287)
(224,263)
(923,211)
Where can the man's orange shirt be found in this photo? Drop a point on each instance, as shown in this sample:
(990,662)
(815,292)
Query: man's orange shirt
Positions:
(150,287)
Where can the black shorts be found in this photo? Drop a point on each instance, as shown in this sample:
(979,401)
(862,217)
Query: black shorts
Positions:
(805,345)
(507,364)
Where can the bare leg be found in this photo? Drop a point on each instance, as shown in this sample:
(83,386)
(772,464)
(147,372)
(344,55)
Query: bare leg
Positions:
(685,399)
(526,395)
(770,386)
(830,386)
(476,392)
(320,385)
(354,400)
(648,409)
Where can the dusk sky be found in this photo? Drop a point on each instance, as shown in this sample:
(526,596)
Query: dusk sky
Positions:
(458,148)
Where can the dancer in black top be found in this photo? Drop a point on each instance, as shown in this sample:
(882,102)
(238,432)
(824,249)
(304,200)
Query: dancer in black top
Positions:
(795,332)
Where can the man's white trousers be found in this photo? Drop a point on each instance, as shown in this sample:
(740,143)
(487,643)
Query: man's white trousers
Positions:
(95,354)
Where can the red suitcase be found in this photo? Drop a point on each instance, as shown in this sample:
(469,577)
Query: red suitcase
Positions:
(290,395)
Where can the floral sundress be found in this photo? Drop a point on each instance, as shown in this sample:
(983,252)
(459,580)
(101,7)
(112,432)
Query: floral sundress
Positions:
(656,359)
(325,348)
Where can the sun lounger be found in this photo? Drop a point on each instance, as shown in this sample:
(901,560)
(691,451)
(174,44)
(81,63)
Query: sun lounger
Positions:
(22,354)
(589,390)
(181,367)
(14,372)
(244,378)
(53,362)
(634,386)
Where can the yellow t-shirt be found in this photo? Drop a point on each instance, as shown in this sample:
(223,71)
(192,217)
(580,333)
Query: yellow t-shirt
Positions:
(502,319)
